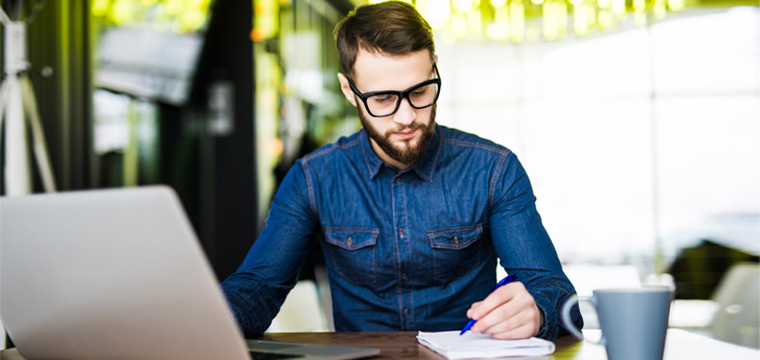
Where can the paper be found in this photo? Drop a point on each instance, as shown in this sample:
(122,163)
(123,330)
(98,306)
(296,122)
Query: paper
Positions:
(481,346)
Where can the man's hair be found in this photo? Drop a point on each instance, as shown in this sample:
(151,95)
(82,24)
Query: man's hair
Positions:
(393,27)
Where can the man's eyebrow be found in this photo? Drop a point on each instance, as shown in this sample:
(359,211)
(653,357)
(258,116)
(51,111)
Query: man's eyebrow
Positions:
(400,90)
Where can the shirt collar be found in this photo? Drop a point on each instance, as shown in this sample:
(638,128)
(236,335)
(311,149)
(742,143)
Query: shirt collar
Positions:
(424,167)
(374,163)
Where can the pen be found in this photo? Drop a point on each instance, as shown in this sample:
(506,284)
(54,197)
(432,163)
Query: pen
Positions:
(503,281)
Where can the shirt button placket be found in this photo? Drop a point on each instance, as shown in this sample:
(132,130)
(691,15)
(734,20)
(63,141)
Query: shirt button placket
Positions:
(403,247)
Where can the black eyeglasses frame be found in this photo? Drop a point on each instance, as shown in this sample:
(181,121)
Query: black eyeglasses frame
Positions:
(401,94)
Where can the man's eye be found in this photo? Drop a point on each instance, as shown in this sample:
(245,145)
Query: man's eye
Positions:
(381,98)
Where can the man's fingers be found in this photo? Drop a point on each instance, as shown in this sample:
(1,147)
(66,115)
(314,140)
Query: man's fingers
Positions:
(505,318)
(522,332)
(494,320)
(471,310)
(510,312)
(494,300)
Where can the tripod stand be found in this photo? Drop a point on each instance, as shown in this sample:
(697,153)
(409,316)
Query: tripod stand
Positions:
(17,103)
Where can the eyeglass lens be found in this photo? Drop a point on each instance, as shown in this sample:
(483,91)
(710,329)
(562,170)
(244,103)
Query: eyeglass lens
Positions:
(419,97)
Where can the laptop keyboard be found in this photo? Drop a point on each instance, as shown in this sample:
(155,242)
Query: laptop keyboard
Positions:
(260,355)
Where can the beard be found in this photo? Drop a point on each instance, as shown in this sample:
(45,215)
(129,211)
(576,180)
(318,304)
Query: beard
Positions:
(405,151)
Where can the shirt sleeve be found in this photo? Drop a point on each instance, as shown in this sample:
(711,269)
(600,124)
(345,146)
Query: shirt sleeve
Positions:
(524,247)
(258,288)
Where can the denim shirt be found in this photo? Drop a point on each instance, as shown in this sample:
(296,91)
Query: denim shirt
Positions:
(405,250)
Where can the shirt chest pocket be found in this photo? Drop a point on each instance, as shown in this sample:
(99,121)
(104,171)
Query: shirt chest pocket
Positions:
(352,253)
(456,251)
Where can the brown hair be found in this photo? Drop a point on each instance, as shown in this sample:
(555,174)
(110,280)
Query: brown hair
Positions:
(391,27)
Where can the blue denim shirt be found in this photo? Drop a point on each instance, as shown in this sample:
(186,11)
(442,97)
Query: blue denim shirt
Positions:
(405,250)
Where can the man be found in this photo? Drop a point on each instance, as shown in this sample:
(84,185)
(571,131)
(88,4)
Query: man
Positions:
(411,216)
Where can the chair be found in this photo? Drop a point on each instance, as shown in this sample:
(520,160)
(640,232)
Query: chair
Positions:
(308,307)
(301,311)
(738,296)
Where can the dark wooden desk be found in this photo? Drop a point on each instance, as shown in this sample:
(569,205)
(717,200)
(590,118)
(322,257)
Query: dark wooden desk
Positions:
(680,345)
(403,345)
(399,345)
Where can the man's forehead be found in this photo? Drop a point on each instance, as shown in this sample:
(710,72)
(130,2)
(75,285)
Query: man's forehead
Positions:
(374,70)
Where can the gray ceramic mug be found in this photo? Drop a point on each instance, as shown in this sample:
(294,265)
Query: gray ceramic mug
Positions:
(634,322)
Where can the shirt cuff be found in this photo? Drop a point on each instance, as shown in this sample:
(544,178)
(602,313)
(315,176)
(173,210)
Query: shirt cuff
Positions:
(549,329)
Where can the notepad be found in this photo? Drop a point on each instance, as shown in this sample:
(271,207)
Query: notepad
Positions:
(482,346)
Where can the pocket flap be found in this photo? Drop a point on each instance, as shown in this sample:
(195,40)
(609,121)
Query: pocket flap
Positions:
(351,239)
(455,238)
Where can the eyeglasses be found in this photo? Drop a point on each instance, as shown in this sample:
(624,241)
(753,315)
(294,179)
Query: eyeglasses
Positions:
(385,103)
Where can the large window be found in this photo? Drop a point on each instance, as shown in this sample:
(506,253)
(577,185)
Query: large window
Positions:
(638,142)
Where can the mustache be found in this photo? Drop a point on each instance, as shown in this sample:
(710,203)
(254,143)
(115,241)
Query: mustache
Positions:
(413,126)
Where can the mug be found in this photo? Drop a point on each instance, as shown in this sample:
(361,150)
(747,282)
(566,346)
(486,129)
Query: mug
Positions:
(634,322)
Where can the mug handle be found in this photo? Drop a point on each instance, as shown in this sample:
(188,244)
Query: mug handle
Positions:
(569,324)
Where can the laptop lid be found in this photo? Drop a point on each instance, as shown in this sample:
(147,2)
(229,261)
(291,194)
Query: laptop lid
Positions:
(110,274)
(119,273)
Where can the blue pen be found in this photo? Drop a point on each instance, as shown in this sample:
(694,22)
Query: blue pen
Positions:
(503,281)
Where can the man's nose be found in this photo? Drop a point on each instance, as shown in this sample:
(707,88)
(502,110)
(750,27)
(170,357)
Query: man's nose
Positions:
(405,114)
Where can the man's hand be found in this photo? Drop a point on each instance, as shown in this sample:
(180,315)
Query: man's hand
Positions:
(507,313)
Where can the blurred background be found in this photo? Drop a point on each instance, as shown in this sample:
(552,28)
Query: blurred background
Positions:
(638,121)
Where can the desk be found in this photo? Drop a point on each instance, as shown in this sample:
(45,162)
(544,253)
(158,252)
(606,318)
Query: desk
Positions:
(403,345)
(680,345)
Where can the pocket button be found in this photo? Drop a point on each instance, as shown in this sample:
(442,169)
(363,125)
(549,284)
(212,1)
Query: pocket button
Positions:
(349,241)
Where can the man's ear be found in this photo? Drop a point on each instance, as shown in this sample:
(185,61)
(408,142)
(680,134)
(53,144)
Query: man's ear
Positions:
(346,89)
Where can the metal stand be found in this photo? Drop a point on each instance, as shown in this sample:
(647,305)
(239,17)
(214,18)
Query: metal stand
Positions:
(17,103)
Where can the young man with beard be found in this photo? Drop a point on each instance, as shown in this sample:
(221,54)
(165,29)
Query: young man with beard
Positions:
(411,216)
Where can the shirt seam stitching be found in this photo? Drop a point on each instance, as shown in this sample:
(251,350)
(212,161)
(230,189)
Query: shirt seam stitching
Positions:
(495,180)
(495,149)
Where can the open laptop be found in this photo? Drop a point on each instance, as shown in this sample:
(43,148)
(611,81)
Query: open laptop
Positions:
(107,274)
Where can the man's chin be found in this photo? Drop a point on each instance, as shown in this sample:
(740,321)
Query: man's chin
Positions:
(405,151)
(406,146)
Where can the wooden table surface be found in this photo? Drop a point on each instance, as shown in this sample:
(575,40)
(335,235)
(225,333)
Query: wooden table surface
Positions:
(404,345)
(398,345)
(679,345)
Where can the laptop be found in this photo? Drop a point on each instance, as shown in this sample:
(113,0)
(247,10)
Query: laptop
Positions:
(105,274)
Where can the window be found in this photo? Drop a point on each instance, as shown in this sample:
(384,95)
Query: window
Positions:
(637,142)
